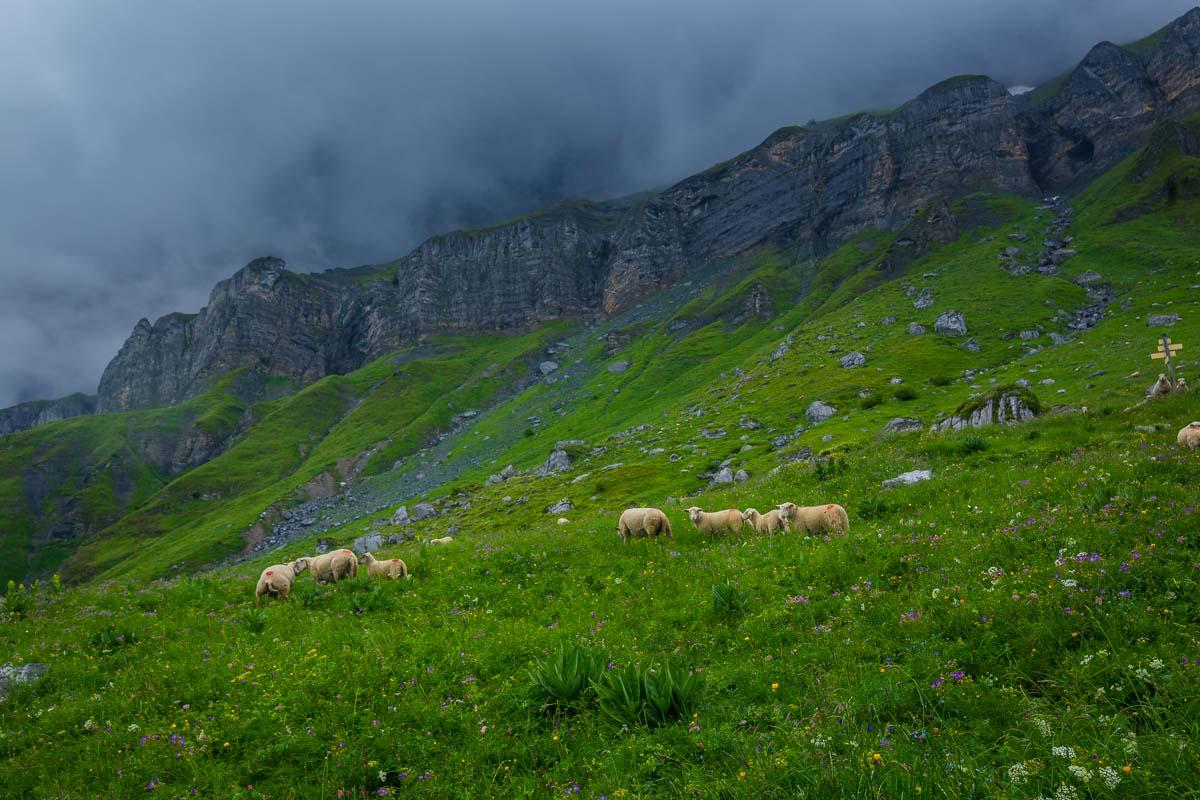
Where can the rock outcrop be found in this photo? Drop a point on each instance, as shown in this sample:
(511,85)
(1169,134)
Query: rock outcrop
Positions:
(1005,405)
(40,412)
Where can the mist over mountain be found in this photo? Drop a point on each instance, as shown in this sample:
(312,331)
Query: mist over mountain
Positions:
(153,149)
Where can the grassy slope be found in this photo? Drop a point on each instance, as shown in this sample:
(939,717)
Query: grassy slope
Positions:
(954,633)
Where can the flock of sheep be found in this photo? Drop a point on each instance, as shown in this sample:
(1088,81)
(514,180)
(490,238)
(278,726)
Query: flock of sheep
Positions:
(277,580)
(829,518)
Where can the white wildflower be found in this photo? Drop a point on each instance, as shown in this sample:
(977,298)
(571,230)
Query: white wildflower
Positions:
(1085,661)
(1068,583)
(1063,752)
(1141,673)
(133,727)
(1156,664)
(90,725)
(1018,774)
(1065,792)
(1110,777)
(1042,725)
(1083,773)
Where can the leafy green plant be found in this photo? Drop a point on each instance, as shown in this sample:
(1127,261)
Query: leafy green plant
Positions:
(829,468)
(906,393)
(17,597)
(637,695)
(111,638)
(875,507)
(567,677)
(254,620)
(940,380)
(871,400)
(728,600)
(971,443)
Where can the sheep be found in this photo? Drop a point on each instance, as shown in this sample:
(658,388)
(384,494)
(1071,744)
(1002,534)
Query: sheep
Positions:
(277,580)
(769,522)
(726,520)
(1181,385)
(332,566)
(1161,387)
(1189,435)
(643,522)
(816,519)
(391,568)
(442,540)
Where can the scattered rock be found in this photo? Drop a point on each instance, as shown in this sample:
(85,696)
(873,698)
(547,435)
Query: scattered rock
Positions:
(401,516)
(713,433)
(896,381)
(501,476)
(741,475)
(423,511)
(888,320)
(1089,277)
(611,467)
(909,478)
(655,451)
(547,367)
(1161,320)
(924,300)
(453,530)
(724,476)
(748,424)
(972,345)
(1000,406)
(819,411)
(618,366)
(915,329)
(561,507)
(852,360)
(1027,335)
(951,323)
(367,544)
(557,462)
(903,425)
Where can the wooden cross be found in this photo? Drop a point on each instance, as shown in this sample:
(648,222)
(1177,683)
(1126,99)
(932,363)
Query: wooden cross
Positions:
(1167,354)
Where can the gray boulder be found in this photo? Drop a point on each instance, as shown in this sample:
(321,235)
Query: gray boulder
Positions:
(724,476)
(909,478)
(501,476)
(1000,406)
(924,300)
(547,367)
(819,411)
(367,544)
(423,511)
(561,507)
(741,475)
(557,462)
(1162,320)
(915,329)
(951,323)
(618,366)
(903,425)
(972,345)
(852,360)
(401,516)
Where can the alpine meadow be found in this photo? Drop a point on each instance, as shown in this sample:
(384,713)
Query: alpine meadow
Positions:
(948,318)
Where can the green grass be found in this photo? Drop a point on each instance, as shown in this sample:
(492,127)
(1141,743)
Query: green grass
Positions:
(1021,622)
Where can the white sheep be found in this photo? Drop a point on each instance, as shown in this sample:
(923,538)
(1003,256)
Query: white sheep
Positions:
(332,566)
(770,522)
(390,568)
(727,520)
(816,519)
(277,581)
(442,540)
(1189,435)
(643,522)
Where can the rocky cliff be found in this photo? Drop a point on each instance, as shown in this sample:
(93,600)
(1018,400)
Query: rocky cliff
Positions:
(39,412)
(808,188)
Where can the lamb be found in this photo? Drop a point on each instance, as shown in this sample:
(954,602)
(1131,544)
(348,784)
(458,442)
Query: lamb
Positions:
(442,540)
(391,568)
(643,522)
(332,566)
(727,520)
(277,580)
(1189,436)
(816,519)
(769,522)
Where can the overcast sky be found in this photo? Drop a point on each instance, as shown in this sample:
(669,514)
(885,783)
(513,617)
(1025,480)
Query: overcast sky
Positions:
(149,148)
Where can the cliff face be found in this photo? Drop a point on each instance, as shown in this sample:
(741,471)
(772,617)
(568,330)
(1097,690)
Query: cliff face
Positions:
(809,188)
(39,412)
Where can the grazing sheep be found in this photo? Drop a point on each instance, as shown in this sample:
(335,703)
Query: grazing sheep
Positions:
(442,540)
(728,520)
(391,568)
(332,566)
(1189,436)
(277,580)
(643,522)
(816,519)
(769,522)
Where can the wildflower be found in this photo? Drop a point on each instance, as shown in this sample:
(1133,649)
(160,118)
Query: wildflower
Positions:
(1110,777)
(1082,773)
(1063,752)
(1065,792)
(876,759)
(774,687)
(1018,774)
(1127,769)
